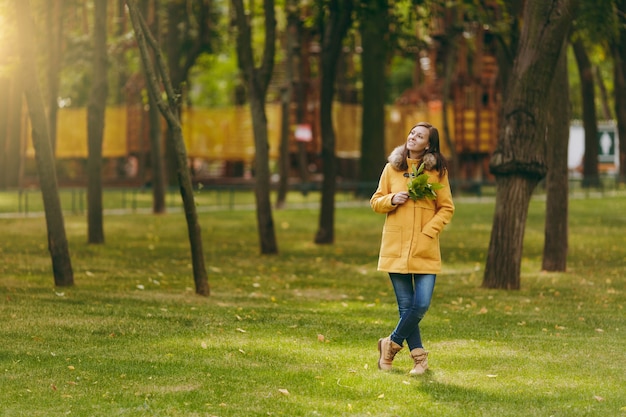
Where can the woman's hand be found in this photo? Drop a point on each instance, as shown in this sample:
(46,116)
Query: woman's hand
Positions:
(400,198)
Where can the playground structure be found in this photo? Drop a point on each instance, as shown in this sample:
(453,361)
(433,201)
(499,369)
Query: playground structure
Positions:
(216,138)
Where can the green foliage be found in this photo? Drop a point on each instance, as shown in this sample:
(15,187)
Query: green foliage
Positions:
(214,79)
(400,79)
(295,334)
(419,187)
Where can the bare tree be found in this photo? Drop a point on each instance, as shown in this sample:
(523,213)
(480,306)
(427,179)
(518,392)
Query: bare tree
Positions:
(169,112)
(257,80)
(339,19)
(96,110)
(57,240)
(519,161)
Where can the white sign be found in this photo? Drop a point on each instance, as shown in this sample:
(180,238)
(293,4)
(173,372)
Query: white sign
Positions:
(304,133)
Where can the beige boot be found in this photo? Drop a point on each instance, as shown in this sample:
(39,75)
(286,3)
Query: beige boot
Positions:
(420,358)
(387,349)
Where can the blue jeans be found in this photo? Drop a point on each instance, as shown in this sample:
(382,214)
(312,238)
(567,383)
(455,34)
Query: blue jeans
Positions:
(413,293)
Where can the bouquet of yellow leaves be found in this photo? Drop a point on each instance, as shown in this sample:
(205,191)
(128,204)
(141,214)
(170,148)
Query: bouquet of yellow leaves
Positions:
(419,187)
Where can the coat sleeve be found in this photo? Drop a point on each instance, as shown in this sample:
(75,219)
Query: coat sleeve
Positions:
(444,209)
(381,200)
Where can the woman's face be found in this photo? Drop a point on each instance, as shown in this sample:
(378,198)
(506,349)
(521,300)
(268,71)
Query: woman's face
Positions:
(417,140)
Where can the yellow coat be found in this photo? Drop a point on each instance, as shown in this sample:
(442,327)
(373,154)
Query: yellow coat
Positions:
(410,238)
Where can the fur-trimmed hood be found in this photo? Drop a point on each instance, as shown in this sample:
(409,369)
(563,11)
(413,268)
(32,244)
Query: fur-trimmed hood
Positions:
(400,154)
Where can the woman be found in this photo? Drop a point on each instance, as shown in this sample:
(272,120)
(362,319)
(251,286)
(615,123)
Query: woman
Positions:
(409,250)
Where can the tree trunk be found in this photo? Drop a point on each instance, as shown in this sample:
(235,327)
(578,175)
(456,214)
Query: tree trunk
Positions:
(55,38)
(57,240)
(11,156)
(149,7)
(5,86)
(604,94)
(374,29)
(95,126)
(557,185)
(300,68)
(590,120)
(189,34)
(194,230)
(339,20)
(507,235)
(619,86)
(450,57)
(518,162)
(257,81)
(287,94)
(169,111)
(265,221)
(283,165)
(120,30)
(156,158)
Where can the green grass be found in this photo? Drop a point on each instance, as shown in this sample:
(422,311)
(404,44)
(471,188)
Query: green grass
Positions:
(295,334)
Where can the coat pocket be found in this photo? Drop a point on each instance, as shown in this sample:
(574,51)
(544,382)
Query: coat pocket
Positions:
(426,247)
(391,246)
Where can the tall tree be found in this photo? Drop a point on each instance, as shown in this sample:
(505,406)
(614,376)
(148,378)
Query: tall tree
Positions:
(170,113)
(149,8)
(557,180)
(338,19)
(96,109)
(57,240)
(375,32)
(591,176)
(54,27)
(292,43)
(519,161)
(189,33)
(618,50)
(10,148)
(257,81)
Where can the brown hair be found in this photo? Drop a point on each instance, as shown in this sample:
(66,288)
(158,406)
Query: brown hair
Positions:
(433,148)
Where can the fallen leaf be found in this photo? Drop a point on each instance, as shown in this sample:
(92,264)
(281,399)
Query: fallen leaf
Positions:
(320,337)
(283,391)
(491,376)
(381,396)
(241,330)
(203,345)
(598,398)
(71,368)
